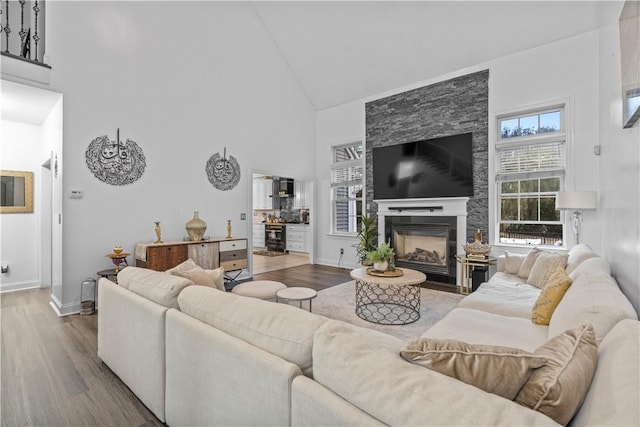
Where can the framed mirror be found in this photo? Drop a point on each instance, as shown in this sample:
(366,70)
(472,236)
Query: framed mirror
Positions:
(16,194)
(630,61)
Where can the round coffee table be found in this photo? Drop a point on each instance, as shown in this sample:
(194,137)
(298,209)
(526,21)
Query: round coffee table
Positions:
(388,300)
(297,294)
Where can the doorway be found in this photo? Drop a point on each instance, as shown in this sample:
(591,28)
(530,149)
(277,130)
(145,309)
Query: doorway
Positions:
(282,234)
(34,118)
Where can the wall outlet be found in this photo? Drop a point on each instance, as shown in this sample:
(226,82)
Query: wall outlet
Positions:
(5,268)
(341,251)
(243,216)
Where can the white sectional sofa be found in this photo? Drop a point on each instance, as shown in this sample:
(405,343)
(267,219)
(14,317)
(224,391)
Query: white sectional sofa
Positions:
(199,356)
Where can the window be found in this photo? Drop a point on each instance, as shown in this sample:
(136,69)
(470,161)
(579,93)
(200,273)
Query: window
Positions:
(346,188)
(530,154)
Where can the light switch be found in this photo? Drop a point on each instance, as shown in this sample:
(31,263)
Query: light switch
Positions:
(76,194)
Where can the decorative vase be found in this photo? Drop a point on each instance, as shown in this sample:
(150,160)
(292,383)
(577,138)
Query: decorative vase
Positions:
(158,232)
(228,229)
(381,266)
(196,227)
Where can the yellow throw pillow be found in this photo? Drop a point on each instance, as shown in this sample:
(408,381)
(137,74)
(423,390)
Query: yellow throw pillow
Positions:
(545,266)
(495,369)
(551,295)
(558,388)
(202,277)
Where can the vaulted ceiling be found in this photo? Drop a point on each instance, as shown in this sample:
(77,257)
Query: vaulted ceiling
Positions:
(341,51)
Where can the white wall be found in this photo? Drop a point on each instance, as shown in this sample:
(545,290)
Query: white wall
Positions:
(20,249)
(619,174)
(183,80)
(563,71)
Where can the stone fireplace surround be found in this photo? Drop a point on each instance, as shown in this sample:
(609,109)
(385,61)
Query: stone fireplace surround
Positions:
(454,207)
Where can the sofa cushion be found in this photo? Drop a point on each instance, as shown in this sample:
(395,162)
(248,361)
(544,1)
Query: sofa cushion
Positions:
(495,369)
(280,329)
(503,297)
(577,255)
(212,278)
(612,399)
(479,327)
(545,266)
(591,266)
(550,297)
(512,262)
(558,388)
(364,367)
(157,286)
(591,298)
(527,263)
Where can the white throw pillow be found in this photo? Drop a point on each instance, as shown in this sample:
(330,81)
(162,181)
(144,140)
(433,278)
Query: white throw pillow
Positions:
(512,262)
(545,266)
(187,265)
(527,263)
(202,277)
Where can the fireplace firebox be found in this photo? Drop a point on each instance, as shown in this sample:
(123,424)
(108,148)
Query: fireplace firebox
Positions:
(426,244)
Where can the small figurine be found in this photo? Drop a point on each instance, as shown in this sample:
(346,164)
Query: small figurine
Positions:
(228,229)
(158,232)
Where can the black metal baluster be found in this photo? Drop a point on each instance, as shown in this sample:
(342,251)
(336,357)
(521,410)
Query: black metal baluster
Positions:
(36,9)
(22,32)
(7,29)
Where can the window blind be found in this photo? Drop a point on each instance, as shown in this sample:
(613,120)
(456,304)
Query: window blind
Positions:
(541,160)
(346,173)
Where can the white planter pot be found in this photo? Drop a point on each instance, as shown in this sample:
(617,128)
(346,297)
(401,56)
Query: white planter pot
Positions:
(381,266)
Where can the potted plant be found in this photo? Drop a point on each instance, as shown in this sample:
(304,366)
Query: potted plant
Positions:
(381,256)
(367,238)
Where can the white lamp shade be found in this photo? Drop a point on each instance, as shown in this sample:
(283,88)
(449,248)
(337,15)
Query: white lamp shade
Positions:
(577,200)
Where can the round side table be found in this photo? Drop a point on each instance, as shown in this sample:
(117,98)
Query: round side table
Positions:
(388,300)
(297,294)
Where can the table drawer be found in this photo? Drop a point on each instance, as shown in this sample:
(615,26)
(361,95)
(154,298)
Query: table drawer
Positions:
(232,245)
(233,255)
(234,265)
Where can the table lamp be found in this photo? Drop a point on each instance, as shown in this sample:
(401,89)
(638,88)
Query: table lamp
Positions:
(577,201)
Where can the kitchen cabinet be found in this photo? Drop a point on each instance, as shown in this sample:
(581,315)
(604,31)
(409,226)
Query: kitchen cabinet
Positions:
(297,238)
(302,194)
(258,236)
(208,254)
(262,193)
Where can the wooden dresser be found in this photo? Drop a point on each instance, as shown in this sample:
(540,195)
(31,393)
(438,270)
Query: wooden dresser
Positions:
(231,254)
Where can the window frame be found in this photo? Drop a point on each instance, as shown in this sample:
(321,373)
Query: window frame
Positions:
(563,137)
(351,200)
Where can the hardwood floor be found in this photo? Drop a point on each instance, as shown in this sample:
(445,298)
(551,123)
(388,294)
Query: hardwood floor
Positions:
(50,372)
(263,264)
(317,277)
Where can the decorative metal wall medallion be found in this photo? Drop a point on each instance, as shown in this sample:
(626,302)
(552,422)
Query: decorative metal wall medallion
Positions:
(223,173)
(114,162)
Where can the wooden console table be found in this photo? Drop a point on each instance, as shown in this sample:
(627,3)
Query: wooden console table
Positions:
(230,254)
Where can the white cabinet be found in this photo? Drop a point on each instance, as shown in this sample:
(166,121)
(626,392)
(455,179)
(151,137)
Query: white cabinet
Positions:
(297,238)
(258,236)
(262,191)
(302,193)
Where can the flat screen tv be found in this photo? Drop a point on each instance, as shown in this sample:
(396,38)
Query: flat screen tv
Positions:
(440,167)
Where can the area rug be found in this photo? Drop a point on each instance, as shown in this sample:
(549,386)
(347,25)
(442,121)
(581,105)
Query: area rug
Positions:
(268,253)
(338,302)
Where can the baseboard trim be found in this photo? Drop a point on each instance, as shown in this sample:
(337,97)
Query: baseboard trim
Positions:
(21,286)
(64,309)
